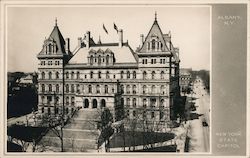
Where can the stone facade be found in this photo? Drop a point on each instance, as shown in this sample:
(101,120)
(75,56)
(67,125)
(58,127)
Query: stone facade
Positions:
(110,75)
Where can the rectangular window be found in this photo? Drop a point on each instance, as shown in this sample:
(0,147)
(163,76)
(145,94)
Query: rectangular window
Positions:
(152,61)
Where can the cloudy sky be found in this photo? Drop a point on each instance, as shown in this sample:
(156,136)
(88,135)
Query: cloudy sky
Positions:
(27,28)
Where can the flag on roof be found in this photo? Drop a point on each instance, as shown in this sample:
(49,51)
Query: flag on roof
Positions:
(104,28)
(115,27)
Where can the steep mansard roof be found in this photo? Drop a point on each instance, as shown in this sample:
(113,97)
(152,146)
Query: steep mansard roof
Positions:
(164,38)
(154,31)
(122,54)
(56,37)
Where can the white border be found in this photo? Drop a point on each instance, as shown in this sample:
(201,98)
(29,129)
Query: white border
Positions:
(3,58)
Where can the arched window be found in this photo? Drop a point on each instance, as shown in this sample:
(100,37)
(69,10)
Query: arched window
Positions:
(94,103)
(50,75)
(72,88)
(97,88)
(42,109)
(161,114)
(148,44)
(56,100)
(78,75)
(99,59)
(43,88)
(153,44)
(128,101)
(42,98)
(134,102)
(67,100)
(128,89)
(91,74)
(162,74)
(134,75)
(86,103)
(72,100)
(107,59)
(56,110)
(134,89)
(67,75)
(152,114)
(67,110)
(153,89)
(144,75)
(162,103)
(72,75)
(106,89)
(67,88)
(107,75)
(162,89)
(103,103)
(122,89)
(43,75)
(122,74)
(49,112)
(99,74)
(91,60)
(153,74)
(57,88)
(128,75)
(50,88)
(144,89)
(50,48)
(78,88)
(144,102)
(57,75)
(90,89)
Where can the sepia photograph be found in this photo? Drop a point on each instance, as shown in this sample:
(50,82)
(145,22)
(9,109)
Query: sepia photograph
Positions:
(124,84)
(107,78)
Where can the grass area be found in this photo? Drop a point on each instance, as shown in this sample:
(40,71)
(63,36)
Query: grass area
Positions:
(138,138)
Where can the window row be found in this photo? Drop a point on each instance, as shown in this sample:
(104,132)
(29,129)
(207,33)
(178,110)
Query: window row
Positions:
(152,103)
(56,110)
(154,61)
(123,75)
(50,62)
(146,114)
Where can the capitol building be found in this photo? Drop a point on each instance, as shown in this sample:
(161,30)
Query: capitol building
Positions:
(141,83)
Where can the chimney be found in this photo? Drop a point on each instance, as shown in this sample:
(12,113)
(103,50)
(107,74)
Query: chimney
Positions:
(79,41)
(67,48)
(142,39)
(87,39)
(120,34)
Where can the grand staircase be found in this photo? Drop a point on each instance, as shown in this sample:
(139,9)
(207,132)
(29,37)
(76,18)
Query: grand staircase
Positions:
(80,134)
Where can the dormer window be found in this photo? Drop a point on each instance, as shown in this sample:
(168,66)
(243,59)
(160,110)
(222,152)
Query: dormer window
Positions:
(91,60)
(107,59)
(153,44)
(99,59)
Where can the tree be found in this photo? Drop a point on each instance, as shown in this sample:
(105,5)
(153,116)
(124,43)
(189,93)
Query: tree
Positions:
(25,135)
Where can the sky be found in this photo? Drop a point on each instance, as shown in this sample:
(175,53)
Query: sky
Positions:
(27,28)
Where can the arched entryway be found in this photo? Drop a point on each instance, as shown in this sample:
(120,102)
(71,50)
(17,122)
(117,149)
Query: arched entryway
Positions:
(86,103)
(94,103)
(103,103)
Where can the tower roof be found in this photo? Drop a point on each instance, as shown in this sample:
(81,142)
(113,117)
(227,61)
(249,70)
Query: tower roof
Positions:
(154,31)
(58,38)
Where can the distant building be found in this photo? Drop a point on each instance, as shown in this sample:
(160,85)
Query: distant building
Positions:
(110,75)
(26,80)
(185,78)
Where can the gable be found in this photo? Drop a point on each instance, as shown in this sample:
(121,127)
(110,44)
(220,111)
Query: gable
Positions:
(154,40)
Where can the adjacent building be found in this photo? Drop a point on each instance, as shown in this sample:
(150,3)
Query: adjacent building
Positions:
(112,75)
(185,78)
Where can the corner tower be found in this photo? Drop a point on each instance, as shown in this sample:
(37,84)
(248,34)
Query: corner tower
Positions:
(54,55)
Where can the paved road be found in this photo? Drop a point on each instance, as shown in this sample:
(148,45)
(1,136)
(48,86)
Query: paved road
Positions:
(200,140)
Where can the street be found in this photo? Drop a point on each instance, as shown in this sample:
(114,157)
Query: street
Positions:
(200,127)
